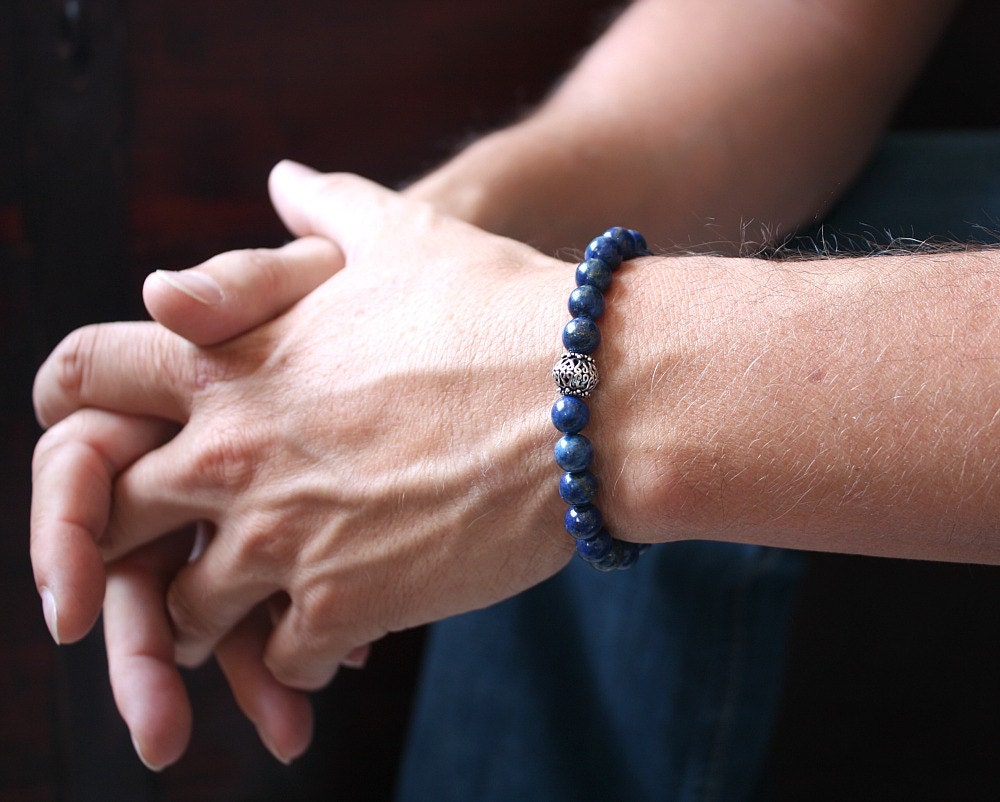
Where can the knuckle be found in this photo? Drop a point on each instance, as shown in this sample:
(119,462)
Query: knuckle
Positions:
(50,440)
(227,459)
(265,544)
(70,369)
(208,368)
(305,668)
(291,673)
(318,606)
(71,359)
(66,449)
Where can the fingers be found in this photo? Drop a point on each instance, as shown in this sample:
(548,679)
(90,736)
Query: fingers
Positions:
(74,465)
(141,369)
(197,476)
(147,687)
(136,368)
(304,652)
(283,717)
(344,208)
(237,291)
(211,595)
(155,495)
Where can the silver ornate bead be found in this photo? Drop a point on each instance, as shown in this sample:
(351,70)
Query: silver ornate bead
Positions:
(575,374)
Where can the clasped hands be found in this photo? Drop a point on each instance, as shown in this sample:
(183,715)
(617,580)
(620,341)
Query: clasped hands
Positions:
(311,447)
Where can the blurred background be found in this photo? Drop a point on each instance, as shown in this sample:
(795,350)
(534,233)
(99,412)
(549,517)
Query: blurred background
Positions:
(138,135)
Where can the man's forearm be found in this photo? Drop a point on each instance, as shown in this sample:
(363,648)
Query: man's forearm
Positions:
(691,120)
(843,405)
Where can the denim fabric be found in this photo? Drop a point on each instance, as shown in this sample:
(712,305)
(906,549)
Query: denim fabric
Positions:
(660,683)
(925,185)
(655,684)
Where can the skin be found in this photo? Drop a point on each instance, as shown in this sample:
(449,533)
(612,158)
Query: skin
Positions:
(745,420)
(745,130)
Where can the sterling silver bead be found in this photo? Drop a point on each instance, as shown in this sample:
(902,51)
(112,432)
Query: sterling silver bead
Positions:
(575,374)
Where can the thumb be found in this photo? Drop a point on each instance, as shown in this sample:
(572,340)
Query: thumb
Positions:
(237,291)
(347,209)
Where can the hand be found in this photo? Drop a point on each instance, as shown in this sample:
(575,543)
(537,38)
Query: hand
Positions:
(76,463)
(256,420)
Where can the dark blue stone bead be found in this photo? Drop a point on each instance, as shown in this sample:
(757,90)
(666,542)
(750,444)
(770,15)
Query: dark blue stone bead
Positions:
(596,548)
(625,240)
(570,414)
(641,248)
(605,249)
(574,453)
(583,521)
(578,488)
(595,273)
(629,554)
(586,301)
(611,560)
(581,335)
(621,556)
(631,242)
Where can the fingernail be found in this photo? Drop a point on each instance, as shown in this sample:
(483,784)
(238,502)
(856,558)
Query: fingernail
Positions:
(50,612)
(200,286)
(148,764)
(272,749)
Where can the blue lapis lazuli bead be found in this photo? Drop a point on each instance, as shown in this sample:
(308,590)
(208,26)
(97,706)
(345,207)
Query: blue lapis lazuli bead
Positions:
(583,521)
(578,488)
(605,249)
(595,273)
(622,555)
(581,335)
(625,239)
(574,453)
(586,301)
(612,560)
(570,414)
(629,554)
(631,242)
(595,548)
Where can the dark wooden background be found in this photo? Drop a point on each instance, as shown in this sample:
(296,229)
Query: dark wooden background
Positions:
(135,136)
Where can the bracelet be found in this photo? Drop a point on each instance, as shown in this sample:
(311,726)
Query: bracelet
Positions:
(576,377)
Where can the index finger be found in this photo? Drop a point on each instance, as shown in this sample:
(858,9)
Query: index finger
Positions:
(136,368)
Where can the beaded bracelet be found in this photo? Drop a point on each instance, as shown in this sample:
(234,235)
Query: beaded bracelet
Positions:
(576,377)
